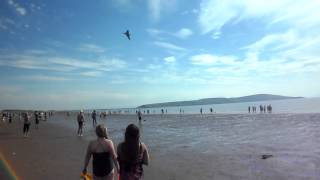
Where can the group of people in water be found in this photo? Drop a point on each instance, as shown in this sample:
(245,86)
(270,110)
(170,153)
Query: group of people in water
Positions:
(262,108)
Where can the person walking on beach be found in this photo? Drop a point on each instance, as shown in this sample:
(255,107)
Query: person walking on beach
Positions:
(36,118)
(248,109)
(45,116)
(94,118)
(104,156)
(10,118)
(139,116)
(80,119)
(201,111)
(132,155)
(26,124)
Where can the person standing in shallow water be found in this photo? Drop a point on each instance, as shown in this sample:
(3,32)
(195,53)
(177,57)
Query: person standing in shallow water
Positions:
(132,155)
(80,119)
(104,156)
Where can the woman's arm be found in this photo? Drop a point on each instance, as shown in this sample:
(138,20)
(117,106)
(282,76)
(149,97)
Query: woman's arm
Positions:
(87,158)
(114,155)
(145,159)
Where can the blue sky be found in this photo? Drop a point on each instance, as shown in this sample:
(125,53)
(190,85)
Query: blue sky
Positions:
(72,54)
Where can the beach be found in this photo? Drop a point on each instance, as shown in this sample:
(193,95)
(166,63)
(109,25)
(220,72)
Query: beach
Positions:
(188,146)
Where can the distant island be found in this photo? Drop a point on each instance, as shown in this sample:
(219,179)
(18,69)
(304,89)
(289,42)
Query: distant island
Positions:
(251,98)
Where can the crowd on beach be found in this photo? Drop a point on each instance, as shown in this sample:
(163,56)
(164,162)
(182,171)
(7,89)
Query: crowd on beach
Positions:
(262,108)
(126,162)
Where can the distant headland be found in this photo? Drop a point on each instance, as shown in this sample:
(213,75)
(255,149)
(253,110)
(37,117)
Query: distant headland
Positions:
(251,98)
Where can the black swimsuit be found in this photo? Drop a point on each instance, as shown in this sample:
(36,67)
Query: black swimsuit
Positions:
(102,164)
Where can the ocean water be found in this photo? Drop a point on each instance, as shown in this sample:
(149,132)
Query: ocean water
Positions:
(302,105)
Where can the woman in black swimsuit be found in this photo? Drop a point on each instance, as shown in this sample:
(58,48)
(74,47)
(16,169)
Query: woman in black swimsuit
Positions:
(104,156)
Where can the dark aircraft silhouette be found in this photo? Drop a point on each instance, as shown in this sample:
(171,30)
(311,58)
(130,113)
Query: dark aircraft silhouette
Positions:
(127,33)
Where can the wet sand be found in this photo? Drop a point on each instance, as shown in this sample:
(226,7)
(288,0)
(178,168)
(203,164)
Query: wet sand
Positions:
(189,147)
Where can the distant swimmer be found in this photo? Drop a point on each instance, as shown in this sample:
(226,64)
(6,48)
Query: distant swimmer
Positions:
(127,33)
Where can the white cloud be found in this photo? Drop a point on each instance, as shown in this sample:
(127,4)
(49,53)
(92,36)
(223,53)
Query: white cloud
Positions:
(300,14)
(3,26)
(169,46)
(91,73)
(155,32)
(44,78)
(193,11)
(184,33)
(157,7)
(91,48)
(209,59)
(5,23)
(169,59)
(216,35)
(288,52)
(54,63)
(20,10)
(140,59)
(154,66)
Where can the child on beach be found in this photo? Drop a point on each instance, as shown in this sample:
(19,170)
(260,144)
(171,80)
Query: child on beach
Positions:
(132,155)
(80,119)
(104,156)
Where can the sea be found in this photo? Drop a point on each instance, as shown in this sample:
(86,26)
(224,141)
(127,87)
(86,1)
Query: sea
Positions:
(300,105)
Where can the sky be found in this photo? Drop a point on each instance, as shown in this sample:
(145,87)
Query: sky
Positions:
(72,54)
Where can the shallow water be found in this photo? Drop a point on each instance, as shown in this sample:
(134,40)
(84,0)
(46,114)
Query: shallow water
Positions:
(301,105)
(223,146)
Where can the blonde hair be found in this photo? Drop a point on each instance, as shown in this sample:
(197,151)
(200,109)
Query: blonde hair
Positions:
(101,131)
